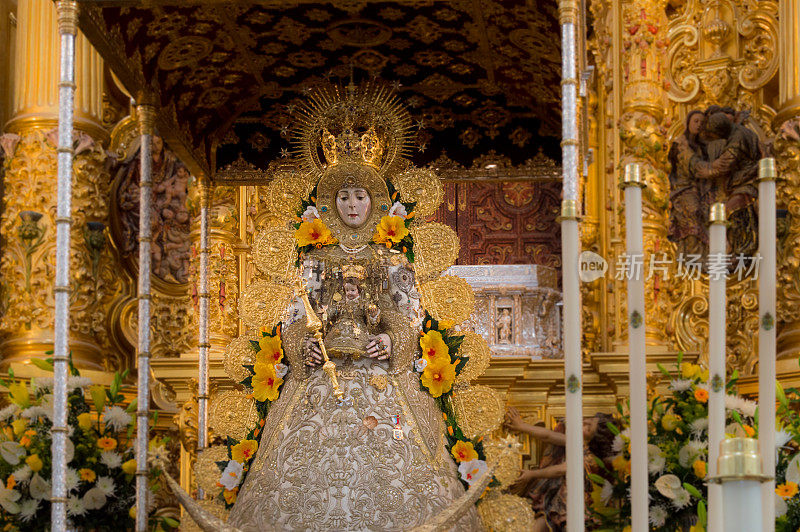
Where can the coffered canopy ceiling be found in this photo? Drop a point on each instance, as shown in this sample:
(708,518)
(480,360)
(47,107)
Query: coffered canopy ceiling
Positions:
(480,77)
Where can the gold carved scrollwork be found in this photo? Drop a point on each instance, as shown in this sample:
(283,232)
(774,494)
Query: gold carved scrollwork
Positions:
(263,304)
(275,252)
(435,249)
(448,298)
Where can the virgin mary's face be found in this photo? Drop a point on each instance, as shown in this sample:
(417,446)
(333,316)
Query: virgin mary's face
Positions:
(354,205)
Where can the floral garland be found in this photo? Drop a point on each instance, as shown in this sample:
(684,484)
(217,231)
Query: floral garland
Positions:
(265,381)
(392,230)
(310,231)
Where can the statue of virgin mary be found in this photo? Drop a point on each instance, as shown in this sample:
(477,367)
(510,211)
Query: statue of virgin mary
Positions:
(357,426)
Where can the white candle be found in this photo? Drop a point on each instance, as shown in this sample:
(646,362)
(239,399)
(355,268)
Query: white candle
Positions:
(716,358)
(766,336)
(636,347)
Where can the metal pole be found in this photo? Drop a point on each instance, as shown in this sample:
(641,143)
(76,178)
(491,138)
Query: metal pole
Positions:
(573,375)
(204,345)
(146,115)
(68,28)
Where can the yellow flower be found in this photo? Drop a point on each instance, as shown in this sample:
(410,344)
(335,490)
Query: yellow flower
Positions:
(230,495)
(129,467)
(690,371)
(132,512)
(390,230)
(87,474)
(18,392)
(434,350)
(439,379)
(697,528)
(34,462)
(243,451)
(463,451)
(19,426)
(265,382)
(704,375)
(750,431)
(670,421)
(699,467)
(25,441)
(107,444)
(85,420)
(787,491)
(270,349)
(314,233)
(621,465)
(701,395)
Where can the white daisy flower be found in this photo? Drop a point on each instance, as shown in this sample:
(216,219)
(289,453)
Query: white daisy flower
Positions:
(75,506)
(72,479)
(681,499)
(606,493)
(35,412)
(699,426)
(42,383)
(106,485)
(680,385)
(116,418)
(76,381)
(691,451)
(658,516)
(8,411)
(621,440)
(110,459)
(22,474)
(782,438)
(27,509)
(656,462)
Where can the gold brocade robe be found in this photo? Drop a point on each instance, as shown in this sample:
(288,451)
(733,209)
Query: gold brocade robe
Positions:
(323,466)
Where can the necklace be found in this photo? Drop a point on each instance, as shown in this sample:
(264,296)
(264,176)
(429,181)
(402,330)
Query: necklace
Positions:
(353,251)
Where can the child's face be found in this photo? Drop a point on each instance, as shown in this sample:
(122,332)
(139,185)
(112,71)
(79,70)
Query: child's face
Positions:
(350,291)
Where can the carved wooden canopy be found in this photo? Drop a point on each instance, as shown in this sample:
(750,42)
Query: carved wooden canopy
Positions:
(480,77)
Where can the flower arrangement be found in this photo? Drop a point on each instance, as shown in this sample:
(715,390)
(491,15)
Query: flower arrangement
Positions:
(265,381)
(787,467)
(310,231)
(99,450)
(677,454)
(392,231)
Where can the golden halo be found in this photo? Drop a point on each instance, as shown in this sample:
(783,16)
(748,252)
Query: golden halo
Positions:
(205,468)
(507,467)
(479,410)
(263,304)
(352,175)
(232,414)
(421,186)
(275,252)
(506,513)
(435,249)
(448,298)
(286,192)
(238,353)
(475,348)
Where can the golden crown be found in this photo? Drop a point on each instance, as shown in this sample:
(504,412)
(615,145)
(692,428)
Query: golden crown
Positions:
(349,146)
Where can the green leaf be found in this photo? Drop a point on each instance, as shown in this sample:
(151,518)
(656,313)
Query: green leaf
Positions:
(132,406)
(680,358)
(781,395)
(663,370)
(98,394)
(702,516)
(42,364)
(597,479)
(692,490)
(613,428)
(171,522)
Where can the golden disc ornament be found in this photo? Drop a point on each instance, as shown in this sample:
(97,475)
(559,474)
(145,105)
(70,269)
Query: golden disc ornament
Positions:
(506,513)
(263,304)
(448,298)
(286,192)
(435,249)
(205,468)
(275,252)
(232,414)
(476,350)
(420,186)
(238,353)
(479,410)
(508,464)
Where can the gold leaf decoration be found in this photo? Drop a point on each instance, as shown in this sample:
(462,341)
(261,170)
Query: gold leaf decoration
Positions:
(232,414)
(448,298)
(275,252)
(205,468)
(286,192)
(238,353)
(420,186)
(479,410)
(475,348)
(508,463)
(506,513)
(263,304)
(435,249)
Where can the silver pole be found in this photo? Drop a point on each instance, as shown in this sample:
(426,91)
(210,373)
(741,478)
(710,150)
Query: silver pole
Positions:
(146,115)
(204,345)
(68,28)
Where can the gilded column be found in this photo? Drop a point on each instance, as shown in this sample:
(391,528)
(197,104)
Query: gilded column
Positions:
(787,156)
(644,45)
(28,223)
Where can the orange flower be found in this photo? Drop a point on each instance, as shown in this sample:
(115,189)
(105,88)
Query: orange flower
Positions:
(314,233)
(701,395)
(243,451)
(265,382)
(434,350)
(439,379)
(87,474)
(107,444)
(699,467)
(270,349)
(390,230)
(750,431)
(787,491)
(11,482)
(463,451)
(230,495)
